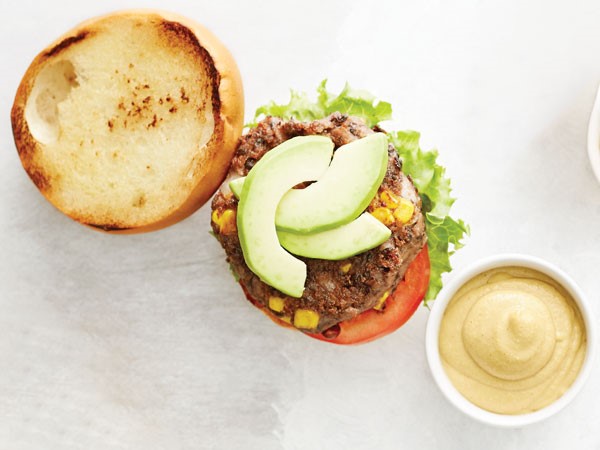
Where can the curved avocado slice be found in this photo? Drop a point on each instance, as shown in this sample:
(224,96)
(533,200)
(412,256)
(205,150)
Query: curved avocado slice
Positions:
(342,193)
(360,235)
(294,161)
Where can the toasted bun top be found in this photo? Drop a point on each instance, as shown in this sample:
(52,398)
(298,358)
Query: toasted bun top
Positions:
(128,122)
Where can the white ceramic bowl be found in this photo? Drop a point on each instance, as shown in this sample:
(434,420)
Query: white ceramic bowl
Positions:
(433,327)
(593,140)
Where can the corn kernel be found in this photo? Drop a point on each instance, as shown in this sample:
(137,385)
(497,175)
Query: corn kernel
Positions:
(346,268)
(404,211)
(276,304)
(390,200)
(384,215)
(381,303)
(305,318)
(215,216)
(225,221)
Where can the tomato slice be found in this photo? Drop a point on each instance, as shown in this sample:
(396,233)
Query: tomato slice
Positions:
(372,324)
(399,307)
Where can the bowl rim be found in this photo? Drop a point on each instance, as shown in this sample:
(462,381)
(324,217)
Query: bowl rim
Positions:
(432,335)
(593,136)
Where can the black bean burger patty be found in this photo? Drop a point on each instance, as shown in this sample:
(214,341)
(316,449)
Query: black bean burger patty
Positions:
(335,290)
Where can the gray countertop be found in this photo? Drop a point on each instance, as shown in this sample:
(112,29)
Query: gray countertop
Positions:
(145,341)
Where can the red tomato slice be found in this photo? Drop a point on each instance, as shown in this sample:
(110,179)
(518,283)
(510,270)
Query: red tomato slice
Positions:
(372,324)
(399,307)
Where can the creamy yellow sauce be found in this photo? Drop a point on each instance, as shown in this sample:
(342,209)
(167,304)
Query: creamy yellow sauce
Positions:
(512,340)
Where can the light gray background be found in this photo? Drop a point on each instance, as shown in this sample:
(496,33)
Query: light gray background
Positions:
(145,342)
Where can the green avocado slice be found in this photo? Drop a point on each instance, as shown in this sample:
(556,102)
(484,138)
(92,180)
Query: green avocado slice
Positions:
(299,159)
(360,235)
(236,185)
(342,193)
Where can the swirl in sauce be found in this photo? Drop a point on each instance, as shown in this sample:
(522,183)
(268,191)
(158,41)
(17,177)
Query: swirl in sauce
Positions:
(512,340)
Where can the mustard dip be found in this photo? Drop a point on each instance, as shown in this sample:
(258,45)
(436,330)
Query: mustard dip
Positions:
(512,340)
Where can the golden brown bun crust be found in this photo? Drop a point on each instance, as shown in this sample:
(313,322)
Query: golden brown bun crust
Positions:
(227,108)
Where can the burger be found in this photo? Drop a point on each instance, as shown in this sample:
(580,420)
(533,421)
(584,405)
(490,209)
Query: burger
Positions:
(357,295)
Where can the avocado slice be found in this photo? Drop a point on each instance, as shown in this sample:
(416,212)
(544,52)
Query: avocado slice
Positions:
(342,193)
(236,185)
(299,159)
(360,235)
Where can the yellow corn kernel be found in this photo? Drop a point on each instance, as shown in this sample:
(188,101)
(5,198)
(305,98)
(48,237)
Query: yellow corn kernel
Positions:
(228,225)
(346,268)
(276,304)
(381,303)
(384,215)
(286,319)
(305,318)
(390,200)
(225,221)
(405,210)
(215,216)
